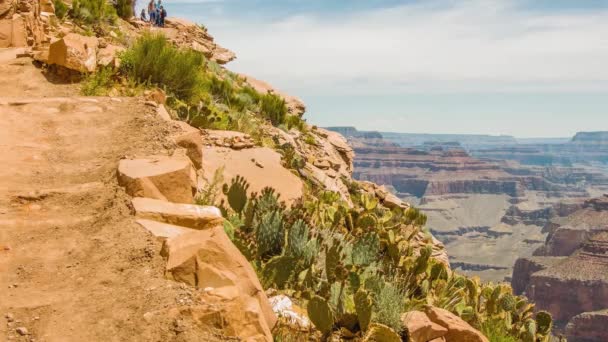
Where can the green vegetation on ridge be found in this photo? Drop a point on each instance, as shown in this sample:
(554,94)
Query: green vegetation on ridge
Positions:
(360,268)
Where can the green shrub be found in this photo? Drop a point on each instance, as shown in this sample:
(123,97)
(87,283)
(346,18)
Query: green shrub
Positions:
(61,9)
(389,306)
(124,8)
(93,11)
(273,108)
(496,331)
(154,60)
(99,83)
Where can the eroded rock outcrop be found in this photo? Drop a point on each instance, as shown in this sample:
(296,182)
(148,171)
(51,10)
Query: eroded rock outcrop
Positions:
(571,280)
(188,34)
(21,24)
(295,106)
(587,327)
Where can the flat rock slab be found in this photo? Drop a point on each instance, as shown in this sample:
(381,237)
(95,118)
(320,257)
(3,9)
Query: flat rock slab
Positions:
(260,166)
(185,215)
(163,231)
(165,178)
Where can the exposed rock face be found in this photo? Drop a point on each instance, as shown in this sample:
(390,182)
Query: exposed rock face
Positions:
(165,178)
(208,260)
(525,267)
(20,23)
(75,52)
(500,207)
(260,166)
(188,34)
(295,106)
(572,279)
(584,327)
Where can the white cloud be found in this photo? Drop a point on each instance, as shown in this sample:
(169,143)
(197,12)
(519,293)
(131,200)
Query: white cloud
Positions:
(440,46)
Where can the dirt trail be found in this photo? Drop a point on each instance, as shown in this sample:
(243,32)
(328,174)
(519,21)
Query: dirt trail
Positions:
(73,264)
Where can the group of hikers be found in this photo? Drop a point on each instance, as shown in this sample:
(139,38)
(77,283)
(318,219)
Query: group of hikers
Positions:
(156,13)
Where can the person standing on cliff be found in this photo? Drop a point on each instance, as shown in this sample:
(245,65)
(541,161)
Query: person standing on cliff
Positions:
(151,11)
(163,14)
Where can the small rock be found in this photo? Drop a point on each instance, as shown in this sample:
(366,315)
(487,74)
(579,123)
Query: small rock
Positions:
(9,317)
(21,331)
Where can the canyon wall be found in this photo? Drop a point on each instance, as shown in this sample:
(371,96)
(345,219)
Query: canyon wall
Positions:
(568,276)
(500,207)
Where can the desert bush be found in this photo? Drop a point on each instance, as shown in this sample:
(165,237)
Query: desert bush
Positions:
(273,108)
(154,60)
(99,83)
(61,9)
(124,8)
(496,331)
(93,11)
(389,306)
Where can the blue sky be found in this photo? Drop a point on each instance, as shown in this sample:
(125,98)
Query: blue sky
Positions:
(524,68)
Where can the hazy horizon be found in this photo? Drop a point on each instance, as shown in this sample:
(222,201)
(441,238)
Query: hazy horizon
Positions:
(529,69)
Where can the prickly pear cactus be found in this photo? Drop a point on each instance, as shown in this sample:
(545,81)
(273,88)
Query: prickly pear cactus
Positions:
(528,333)
(369,202)
(237,193)
(320,314)
(544,323)
(381,333)
(333,256)
(507,302)
(363,306)
(269,233)
(278,270)
(297,238)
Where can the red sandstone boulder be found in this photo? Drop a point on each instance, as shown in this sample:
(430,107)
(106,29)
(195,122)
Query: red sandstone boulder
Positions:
(166,178)
(420,328)
(208,260)
(458,330)
(75,52)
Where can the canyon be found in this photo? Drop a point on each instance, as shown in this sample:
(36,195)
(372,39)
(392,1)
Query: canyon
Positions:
(568,275)
(494,195)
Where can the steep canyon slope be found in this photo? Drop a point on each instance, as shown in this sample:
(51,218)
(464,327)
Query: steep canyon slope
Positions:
(495,206)
(568,275)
